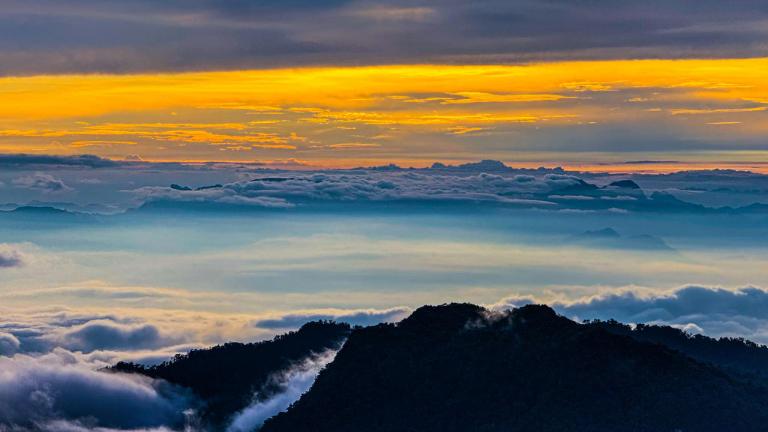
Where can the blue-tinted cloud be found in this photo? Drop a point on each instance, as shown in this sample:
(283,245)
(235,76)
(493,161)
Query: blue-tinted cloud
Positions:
(288,190)
(488,183)
(111,189)
(57,391)
(106,334)
(41,182)
(9,344)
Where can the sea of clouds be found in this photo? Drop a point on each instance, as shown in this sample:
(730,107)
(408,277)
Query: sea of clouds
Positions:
(52,378)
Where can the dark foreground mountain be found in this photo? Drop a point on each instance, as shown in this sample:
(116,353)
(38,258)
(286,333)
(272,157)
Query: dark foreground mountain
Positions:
(460,368)
(226,377)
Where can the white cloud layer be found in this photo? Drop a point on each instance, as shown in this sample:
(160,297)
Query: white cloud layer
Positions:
(288,190)
(37,392)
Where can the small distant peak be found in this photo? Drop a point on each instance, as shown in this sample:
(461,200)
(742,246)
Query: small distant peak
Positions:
(536,312)
(625,184)
(485,165)
(180,187)
(388,167)
(438,165)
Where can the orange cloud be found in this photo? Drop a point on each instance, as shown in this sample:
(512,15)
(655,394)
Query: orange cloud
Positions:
(314,108)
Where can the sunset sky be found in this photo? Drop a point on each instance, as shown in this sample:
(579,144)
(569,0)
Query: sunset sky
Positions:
(180,174)
(333,83)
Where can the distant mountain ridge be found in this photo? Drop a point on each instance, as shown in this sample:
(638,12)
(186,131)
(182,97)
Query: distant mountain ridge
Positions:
(611,239)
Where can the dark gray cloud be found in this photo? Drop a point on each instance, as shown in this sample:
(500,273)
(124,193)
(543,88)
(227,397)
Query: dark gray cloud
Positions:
(27,161)
(46,36)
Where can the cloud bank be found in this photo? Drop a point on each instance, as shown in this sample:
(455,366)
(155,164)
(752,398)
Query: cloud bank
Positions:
(29,161)
(59,388)
(484,184)
(62,389)
(355,318)
(111,189)
(715,312)
(152,335)
(289,190)
(110,335)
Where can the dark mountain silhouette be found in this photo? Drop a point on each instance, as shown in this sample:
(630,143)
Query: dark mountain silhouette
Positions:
(45,214)
(41,211)
(605,233)
(461,368)
(736,355)
(485,165)
(666,202)
(609,238)
(226,377)
(625,184)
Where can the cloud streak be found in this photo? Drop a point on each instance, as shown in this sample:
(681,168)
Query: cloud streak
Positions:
(291,384)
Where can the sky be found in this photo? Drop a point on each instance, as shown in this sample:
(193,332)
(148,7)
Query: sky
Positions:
(184,173)
(358,83)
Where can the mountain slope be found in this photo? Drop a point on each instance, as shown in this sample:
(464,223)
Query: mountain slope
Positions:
(460,368)
(735,355)
(226,377)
